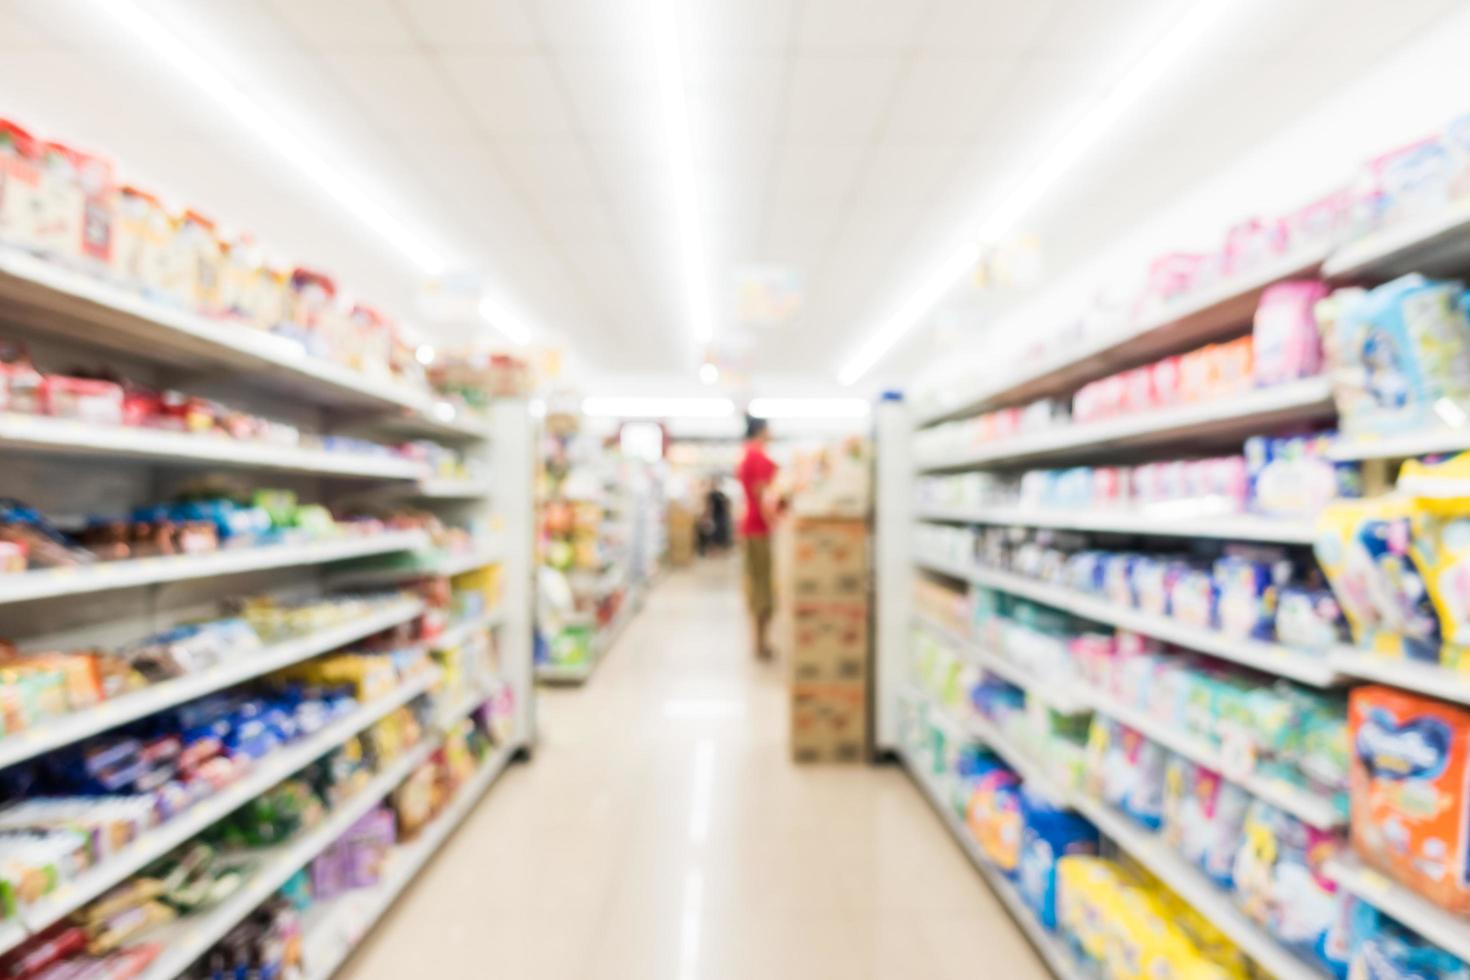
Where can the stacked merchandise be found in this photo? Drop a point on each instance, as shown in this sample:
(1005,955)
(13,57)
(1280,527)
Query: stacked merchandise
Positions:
(1148,650)
(822,584)
(193,709)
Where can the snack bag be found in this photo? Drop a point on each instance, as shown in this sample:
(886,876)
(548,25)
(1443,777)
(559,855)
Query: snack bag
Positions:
(1281,882)
(1411,764)
(1364,548)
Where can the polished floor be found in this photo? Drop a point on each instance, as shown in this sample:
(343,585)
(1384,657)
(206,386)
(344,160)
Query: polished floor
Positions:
(663,832)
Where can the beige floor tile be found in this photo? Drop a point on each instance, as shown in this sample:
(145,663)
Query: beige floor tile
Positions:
(662,833)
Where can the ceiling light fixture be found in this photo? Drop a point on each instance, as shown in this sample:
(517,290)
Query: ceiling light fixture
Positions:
(643,407)
(679,151)
(809,408)
(153,35)
(1094,123)
(708,373)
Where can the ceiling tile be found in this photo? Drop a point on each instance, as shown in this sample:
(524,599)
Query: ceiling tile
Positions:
(901,174)
(838,99)
(402,92)
(804,172)
(473,24)
(549,169)
(985,26)
(330,25)
(943,99)
(596,24)
(853,27)
(748,26)
(510,95)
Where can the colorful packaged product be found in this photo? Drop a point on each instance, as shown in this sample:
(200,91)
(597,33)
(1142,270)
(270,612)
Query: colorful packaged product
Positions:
(1049,835)
(1383,949)
(1410,792)
(1287,343)
(994,817)
(1127,771)
(1203,817)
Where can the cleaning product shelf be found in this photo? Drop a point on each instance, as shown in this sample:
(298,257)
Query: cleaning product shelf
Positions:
(41,434)
(1312,808)
(1050,948)
(1215,421)
(111,714)
(1192,885)
(192,937)
(1443,928)
(332,933)
(1213,315)
(46,297)
(270,771)
(1060,697)
(1318,671)
(1227,527)
(1436,244)
(103,576)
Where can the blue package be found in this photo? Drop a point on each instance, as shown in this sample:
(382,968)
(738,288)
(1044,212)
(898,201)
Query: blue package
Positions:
(1245,596)
(1118,579)
(1192,598)
(1385,950)
(1048,835)
(1309,619)
(1128,770)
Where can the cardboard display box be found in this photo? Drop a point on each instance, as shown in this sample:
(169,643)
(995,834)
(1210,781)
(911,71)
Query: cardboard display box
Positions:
(827,557)
(681,535)
(827,640)
(829,722)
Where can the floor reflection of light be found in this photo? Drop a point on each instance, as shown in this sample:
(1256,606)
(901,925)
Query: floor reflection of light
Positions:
(704,787)
(689,925)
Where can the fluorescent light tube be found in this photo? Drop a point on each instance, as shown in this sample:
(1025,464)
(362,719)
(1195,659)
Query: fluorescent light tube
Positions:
(809,408)
(514,329)
(153,36)
(679,152)
(643,407)
(1094,122)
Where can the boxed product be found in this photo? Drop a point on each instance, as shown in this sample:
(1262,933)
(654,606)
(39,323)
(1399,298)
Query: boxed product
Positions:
(1410,791)
(827,640)
(829,722)
(828,557)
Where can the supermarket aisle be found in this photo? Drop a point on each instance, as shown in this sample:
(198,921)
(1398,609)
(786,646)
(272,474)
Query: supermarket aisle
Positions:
(662,832)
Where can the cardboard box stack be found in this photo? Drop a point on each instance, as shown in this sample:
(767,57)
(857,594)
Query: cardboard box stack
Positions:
(681,535)
(823,632)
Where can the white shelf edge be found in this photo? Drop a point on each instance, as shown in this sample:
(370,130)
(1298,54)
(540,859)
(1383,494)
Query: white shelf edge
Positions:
(458,633)
(409,862)
(1439,682)
(1438,925)
(1305,398)
(1060,697)
(994,394)
(1050,948)
(1316,671)
(1229,527)
(1406,445)
(41,433)
(165,837)
(241,346)
(1393,244)
(1307,806)
(158,697)
(104,576)
(192,937)
(1192,885)
(440,489)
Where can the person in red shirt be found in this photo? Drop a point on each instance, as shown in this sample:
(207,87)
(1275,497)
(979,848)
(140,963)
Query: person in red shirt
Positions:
(755,473)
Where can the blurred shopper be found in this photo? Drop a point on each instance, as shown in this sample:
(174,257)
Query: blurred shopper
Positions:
(755,473)
(717,506)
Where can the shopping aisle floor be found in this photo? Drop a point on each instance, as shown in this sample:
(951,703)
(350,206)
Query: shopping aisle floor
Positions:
(663,832)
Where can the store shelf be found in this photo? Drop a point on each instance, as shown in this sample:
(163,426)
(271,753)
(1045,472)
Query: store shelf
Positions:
(164,838)
(457,633)
(1312,808)
(1059,697)
(104,576)
(442,489)
(1407,445)
(1192,885)
(1411,675)
(192,937)
(1271,658)
(426,562)
(565,673)
(40,434)
(1228,527)
(1052,950)
(1437,244)
(1224,311)
(110,714)
(1219,420)
(332,933)
(45,297)
(1443,928)
(1032,772)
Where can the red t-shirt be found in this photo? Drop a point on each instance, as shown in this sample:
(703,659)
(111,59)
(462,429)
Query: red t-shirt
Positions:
(754,472)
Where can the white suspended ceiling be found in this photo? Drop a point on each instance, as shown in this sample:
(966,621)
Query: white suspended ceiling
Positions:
(846,139)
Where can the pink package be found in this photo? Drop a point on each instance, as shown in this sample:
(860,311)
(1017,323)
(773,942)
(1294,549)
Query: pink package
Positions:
(1175,274)
(1109,487)
(1138,390)
(1166,381)
(1252,243)
(1287,343)
(1323,221)
(1094,655)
